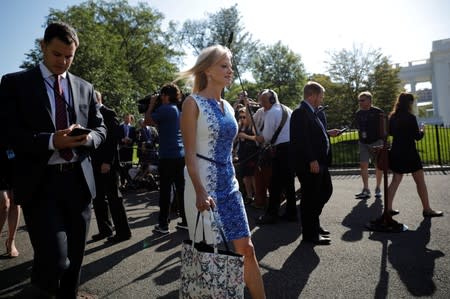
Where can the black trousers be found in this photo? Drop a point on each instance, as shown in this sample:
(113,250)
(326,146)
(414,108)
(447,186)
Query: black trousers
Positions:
(57,220)
(124,175)
(283,179)
(171,171)
(109,204)
(316,191)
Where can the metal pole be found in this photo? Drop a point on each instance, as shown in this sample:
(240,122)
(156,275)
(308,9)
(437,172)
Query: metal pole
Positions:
(438,144)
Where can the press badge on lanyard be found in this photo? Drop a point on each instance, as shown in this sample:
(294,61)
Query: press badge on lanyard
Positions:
(10,154)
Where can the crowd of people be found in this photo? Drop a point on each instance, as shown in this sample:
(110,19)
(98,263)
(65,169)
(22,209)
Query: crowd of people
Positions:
(212,157)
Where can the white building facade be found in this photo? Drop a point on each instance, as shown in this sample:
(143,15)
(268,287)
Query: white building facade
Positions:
(436,70)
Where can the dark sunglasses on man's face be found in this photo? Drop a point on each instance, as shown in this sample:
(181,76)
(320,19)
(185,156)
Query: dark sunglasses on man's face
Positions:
(242,117)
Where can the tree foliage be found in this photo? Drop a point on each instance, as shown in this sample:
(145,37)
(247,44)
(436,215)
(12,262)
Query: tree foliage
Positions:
(224,28)
(279,68)
(334,99)
(123,50)
(385,85)
(358,70)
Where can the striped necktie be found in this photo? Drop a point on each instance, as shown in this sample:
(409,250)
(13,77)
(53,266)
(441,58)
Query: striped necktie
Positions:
(61,115)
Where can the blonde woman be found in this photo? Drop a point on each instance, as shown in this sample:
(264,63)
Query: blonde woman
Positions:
(208,127)
(247,148)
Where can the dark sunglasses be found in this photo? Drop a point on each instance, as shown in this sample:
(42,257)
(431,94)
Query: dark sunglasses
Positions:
(242,117)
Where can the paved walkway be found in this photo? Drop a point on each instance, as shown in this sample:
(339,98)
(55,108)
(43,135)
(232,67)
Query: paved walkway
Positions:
(358,264)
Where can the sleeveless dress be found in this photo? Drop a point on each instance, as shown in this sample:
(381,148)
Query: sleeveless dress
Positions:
(247,154)
(403,156)
(216,131)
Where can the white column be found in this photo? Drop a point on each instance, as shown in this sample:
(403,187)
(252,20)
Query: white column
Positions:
(413,91)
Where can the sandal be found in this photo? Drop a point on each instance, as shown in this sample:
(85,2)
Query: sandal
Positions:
(11,249)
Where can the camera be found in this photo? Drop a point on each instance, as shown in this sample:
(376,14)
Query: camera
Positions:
(145,102)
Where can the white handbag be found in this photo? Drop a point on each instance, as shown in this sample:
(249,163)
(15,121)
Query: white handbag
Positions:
(209,272)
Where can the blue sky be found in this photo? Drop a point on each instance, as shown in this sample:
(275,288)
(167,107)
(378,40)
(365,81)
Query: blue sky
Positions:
(402,29)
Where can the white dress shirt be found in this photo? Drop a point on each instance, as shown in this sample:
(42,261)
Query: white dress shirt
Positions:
(272,119)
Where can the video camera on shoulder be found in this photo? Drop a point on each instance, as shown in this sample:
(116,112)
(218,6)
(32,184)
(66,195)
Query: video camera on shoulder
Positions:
(145,102)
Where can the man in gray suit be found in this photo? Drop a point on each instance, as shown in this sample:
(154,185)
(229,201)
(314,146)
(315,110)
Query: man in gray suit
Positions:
(52,173)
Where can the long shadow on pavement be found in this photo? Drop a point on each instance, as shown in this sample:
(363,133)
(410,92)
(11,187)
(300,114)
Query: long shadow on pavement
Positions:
(290,280)
(360,214)
(409,256)
(278,282)
(14,279)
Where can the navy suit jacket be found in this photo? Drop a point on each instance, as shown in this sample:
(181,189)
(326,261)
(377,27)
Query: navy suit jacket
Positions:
(29,125)
(107,152)
(307,141)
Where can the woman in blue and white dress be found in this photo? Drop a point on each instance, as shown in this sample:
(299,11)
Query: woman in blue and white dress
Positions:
(209,127)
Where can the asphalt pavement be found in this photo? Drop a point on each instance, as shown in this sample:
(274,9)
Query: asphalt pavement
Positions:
(358,263)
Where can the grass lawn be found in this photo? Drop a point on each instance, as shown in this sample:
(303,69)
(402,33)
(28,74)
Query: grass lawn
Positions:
(346,152)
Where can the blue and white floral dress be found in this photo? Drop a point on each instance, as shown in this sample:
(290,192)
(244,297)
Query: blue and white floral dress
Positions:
(216,131)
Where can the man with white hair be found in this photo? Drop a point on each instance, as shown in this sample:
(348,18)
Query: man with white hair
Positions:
(275,134)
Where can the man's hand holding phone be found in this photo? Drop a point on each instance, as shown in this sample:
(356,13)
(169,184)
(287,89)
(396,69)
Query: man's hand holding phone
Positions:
(78,131)
(342,130)
(73,136)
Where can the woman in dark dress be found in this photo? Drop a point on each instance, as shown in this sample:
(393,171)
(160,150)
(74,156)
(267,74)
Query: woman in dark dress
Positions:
(403,157)
(247,149)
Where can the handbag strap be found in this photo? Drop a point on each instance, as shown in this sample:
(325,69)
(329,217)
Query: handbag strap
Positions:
(222,234)
(196,225)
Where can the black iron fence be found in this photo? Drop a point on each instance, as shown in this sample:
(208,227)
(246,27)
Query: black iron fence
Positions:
(433,148)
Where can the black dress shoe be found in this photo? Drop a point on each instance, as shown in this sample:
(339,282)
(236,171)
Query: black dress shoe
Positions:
(323,232)
(318,241)
(394,212)
(100,236)
(119,238)
(266,219)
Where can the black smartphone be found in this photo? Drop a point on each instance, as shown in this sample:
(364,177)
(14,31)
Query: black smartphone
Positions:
(342,130)
(79,131)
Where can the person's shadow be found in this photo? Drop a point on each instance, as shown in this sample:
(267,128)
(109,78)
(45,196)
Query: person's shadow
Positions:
(281,283)
(358,217)
(278,282)
(409,256)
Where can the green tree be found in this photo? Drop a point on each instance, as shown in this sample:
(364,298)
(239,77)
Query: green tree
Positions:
(385,85)
(279,68)
(352,70)
(224,28)
(123,50)
(232,93)
(334,98)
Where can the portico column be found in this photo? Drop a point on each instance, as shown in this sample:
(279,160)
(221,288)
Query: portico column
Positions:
(413,91)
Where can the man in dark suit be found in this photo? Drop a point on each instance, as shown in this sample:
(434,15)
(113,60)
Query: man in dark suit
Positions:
(52,174)
(109,202)
(310,149)
(127,137)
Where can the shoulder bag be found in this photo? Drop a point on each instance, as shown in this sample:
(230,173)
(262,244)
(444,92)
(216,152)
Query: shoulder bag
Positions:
(208,272)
